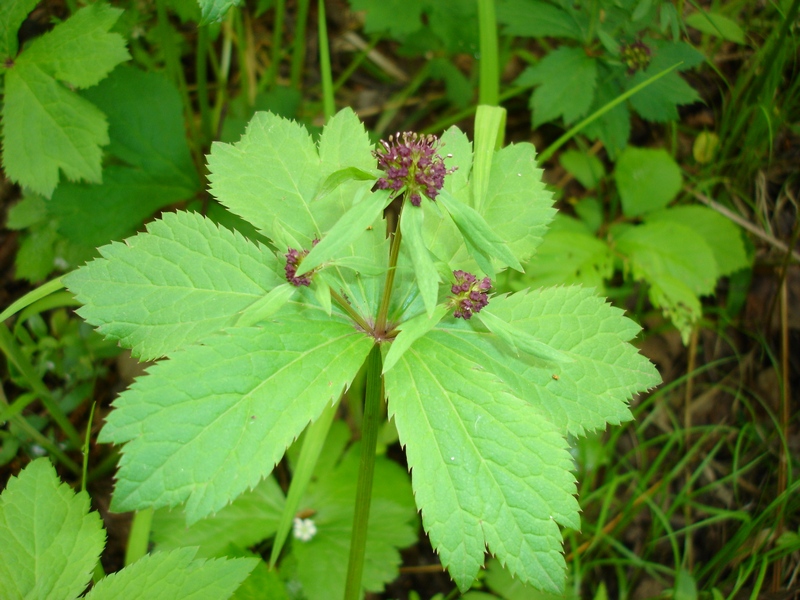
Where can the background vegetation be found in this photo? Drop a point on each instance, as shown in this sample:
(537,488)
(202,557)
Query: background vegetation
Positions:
(678,201)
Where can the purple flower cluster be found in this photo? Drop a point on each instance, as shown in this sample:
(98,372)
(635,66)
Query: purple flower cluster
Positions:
(469,294)
(411,161)
(636,55)
(293,260)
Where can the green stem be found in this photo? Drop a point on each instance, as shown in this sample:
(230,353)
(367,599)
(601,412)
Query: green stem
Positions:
(328,104)
(399,99)
(349,310)
(489,92)
(139,537)
(86,447)
(202,84)
(369,441)
(383,311)
(356,62)
(299,45)
(277,40)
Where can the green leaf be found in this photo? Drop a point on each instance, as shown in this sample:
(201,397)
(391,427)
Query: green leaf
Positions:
(647,180)
(490,125)
(566,78)
(458,89)
(80,51)
(176,574)
(424,269)
(213,11)
(351,226)
(47,128)
(585,167)
(266,306)
(145,124)
(208,439)
(477,232)
(614,127)
(587,393)
(478,455)
(520,341)
(397,17)
(12,15)
(723,237)
(184,279)
(248,520)
(392,525)
(410,331)
(718,25)
(50,540)
(570,254)
(534,18)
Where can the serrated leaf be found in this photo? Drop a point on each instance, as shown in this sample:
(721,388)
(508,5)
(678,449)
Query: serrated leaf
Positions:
(614,127)
(585,167)
(80,51)
(566,78)
(49,541)
(489,455)
(347,229)
(718,25)
(410,331)
(477,232)
(533,18)
(647,180)
(519,341)
(207,440)
(175,574)
(392,525)
(722,235)
(248,520)
(427,277)
(184,279)
(47,128)
(266,306)
(12,15)
(585,394)
(213,11)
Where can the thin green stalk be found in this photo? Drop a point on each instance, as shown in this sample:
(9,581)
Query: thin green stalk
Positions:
(356,62)
(399,99)
(369,441)
(9,347)
(383,311)
(139,538)
(224,70)
(299,44)
(43,290)
(328,105)
(551,149)
(445,122)
(489,92)
(277,39)
(86,439)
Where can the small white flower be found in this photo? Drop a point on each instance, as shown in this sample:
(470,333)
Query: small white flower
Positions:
(304,529)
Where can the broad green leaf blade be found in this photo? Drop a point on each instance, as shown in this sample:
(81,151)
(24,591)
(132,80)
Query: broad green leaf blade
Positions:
(566,79)
(647,179)
(207,440)
(146,127)
(247,521)
(398,17)
(392,525)
(487,469)
(718,25)
(175,574)
(184,279)
(536,18)
(94,215)
(12,15)
(266,306)
(347,229)
(49,541)
(80,51)
(722,235)
(213,11)
(411,331)
(577,396)
(517,206)
(272,173)
(519,341)
(475,229)
(47,128)
(427,276)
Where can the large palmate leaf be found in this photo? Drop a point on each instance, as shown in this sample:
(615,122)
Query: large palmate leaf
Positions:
(208,439)
(184,279)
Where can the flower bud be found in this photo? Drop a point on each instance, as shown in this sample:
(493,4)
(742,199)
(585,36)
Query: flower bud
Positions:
(469,294)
